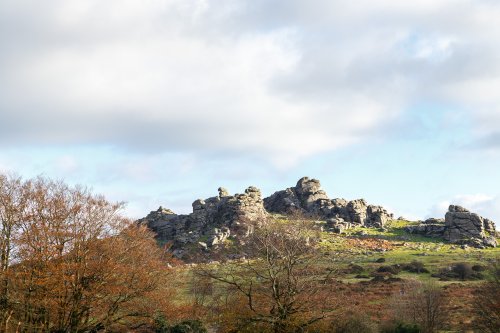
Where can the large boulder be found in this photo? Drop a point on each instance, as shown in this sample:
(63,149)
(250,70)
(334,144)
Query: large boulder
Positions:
(212,221)
(309,192)
(304,198)
(285,202)
(434,230)
(464,227)
(307,198)
(377,216)
(459,226)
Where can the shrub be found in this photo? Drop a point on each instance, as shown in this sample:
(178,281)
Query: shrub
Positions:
(354,269)
(415,267)
(380,260)
(355,324)
(487,302)
(462,270)
(478,268)
(160,324)
(378,278)
(389,269)
(188,326)
(401,328)
(422,304)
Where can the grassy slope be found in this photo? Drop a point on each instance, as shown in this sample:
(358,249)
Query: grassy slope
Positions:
(363,246)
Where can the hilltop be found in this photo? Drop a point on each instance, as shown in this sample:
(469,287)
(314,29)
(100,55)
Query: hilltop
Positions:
(296,261)
(373,259)
(226,218)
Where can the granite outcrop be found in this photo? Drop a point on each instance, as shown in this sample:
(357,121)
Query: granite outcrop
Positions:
(460,226)
(307,198)
(212,222)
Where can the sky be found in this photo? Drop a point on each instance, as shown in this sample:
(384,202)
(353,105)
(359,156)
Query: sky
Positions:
(160,102)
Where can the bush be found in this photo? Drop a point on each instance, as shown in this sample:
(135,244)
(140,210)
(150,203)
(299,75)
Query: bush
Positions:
(487,302)
(422,304)
(355,324)
(188,326)
(378,278)
(462,270)
(478,268)
(354,269)
(415,267)
(401,328)
(380,260)
(389,269)
(160,324)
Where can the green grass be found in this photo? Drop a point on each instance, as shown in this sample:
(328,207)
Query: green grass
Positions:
(434,253)
(338,254)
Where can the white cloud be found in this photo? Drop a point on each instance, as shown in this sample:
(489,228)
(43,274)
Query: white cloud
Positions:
(282,80)
(482,204)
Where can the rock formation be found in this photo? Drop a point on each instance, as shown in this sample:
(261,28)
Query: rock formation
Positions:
(212,221)
(430,228)
(225,217)
(460,227)
(464,227)
(309,199)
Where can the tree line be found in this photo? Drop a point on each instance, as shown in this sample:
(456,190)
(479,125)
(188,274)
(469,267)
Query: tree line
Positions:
(71,262)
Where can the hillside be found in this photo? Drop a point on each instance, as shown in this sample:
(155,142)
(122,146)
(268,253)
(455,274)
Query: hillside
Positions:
(196,236)
(296,261)
(370,259)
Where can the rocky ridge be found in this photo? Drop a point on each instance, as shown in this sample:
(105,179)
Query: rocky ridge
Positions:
(309,199)
(222,218)
(217,219)
(211,223)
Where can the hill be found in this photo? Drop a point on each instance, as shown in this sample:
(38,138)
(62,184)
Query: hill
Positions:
(230,218)
(371,261)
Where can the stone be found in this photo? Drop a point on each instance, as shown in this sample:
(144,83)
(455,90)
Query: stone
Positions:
(490,241)
(433,221)
(377,216)
(284,202)
(357,210)
(337,225)
(460,226)
(464,227)
(211,223)
(427,229)
(489,225)
(219,236)
(198,204)
(309,192)
(308,199)
(223,192)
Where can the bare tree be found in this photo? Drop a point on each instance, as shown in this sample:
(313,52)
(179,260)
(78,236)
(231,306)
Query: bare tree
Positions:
(281,282)
(79,265)
(487,302)
(14,197)
(423,304)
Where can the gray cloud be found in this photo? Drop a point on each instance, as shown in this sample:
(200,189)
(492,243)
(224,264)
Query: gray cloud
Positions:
(282,79)
(489,142)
